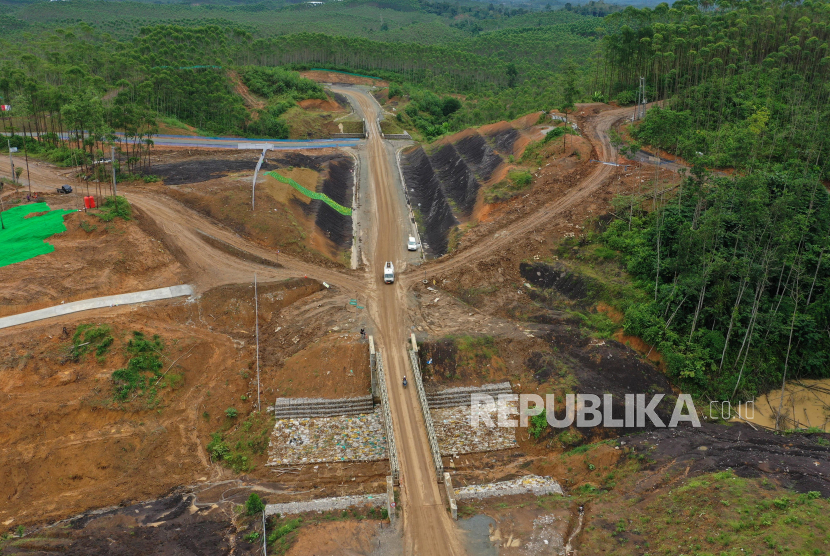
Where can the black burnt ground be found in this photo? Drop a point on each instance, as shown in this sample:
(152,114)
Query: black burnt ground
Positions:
(338,182)
(559,277)
(479,156)
(203,168)
(429,200)
(797,461)
(446,183)
(504,140)
(164,527)
(457,179)
(338,185)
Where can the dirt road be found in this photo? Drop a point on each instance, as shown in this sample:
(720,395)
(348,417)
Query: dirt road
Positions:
(427,527)
(596,129)
(211,267)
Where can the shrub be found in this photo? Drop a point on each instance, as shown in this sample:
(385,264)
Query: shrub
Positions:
(570,438)
(252,537)
(626,97)
(217,448)
(88,337)
(231,413)
(115,207)
(538,424)
(254,504)
(521,179)
(284,530)
(144,359)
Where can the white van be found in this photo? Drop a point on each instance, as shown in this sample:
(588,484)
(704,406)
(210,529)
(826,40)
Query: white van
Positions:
(389,273)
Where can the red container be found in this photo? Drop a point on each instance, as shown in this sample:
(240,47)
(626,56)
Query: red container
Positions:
(89,202)
(86,202)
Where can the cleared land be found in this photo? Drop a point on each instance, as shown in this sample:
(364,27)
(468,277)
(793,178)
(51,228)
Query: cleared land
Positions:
(520,297)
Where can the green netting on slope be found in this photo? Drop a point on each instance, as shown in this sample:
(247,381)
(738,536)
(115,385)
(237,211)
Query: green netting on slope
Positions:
(312,194)
(23,238)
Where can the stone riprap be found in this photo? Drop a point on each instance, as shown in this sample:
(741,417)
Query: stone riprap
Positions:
(456,435)
(528,484)
(326,504)
(328,439)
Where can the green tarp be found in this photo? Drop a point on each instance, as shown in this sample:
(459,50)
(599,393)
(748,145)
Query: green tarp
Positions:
(23,238)
(312,194)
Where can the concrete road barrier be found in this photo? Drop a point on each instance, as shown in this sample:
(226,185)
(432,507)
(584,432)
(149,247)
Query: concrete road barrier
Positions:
(97,303)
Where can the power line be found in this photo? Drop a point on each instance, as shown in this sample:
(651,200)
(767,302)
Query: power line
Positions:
(256,317)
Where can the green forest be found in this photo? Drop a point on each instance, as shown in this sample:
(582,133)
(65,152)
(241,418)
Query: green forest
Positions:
(732,267)
(736,291)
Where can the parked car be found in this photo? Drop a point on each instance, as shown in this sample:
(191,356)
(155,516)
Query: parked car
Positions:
(65,189)
(389,272)
(412,245)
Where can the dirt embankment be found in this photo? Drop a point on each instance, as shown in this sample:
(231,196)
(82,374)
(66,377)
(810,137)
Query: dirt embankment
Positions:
(68,445)
(322,76)
(92,258)
(218,185)
(453,179)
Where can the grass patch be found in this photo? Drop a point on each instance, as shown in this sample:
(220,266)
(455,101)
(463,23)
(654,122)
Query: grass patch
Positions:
(599,325)
(87,227)
(472,296)
(738,515)
(115,207)
(390,126)
(174,123)
(516,182)
(91,338)
(143,369)
(238,446)
(284,530)
(473,350)
(534,153)
(284,534)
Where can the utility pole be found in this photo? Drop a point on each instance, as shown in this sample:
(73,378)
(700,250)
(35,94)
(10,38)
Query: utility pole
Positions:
(640,107)
(112,162)
(26,155)
(256,317)
(256,171)
(11,160)
(2,209)
(264,536)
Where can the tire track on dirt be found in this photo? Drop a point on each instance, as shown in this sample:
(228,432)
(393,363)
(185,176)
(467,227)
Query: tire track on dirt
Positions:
(597,129)
(213,267)
(428,529)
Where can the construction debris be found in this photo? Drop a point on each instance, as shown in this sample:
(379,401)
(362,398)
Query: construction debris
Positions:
(328,439)
(326,504)
(456,435)
(529,483)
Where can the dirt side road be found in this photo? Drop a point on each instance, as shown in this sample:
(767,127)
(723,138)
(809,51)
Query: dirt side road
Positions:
(596,130)
(427,527)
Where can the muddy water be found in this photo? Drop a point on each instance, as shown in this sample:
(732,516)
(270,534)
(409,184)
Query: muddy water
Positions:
(806,404)
(477,539)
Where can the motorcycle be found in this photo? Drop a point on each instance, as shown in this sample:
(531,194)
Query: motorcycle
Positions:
(404,382)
